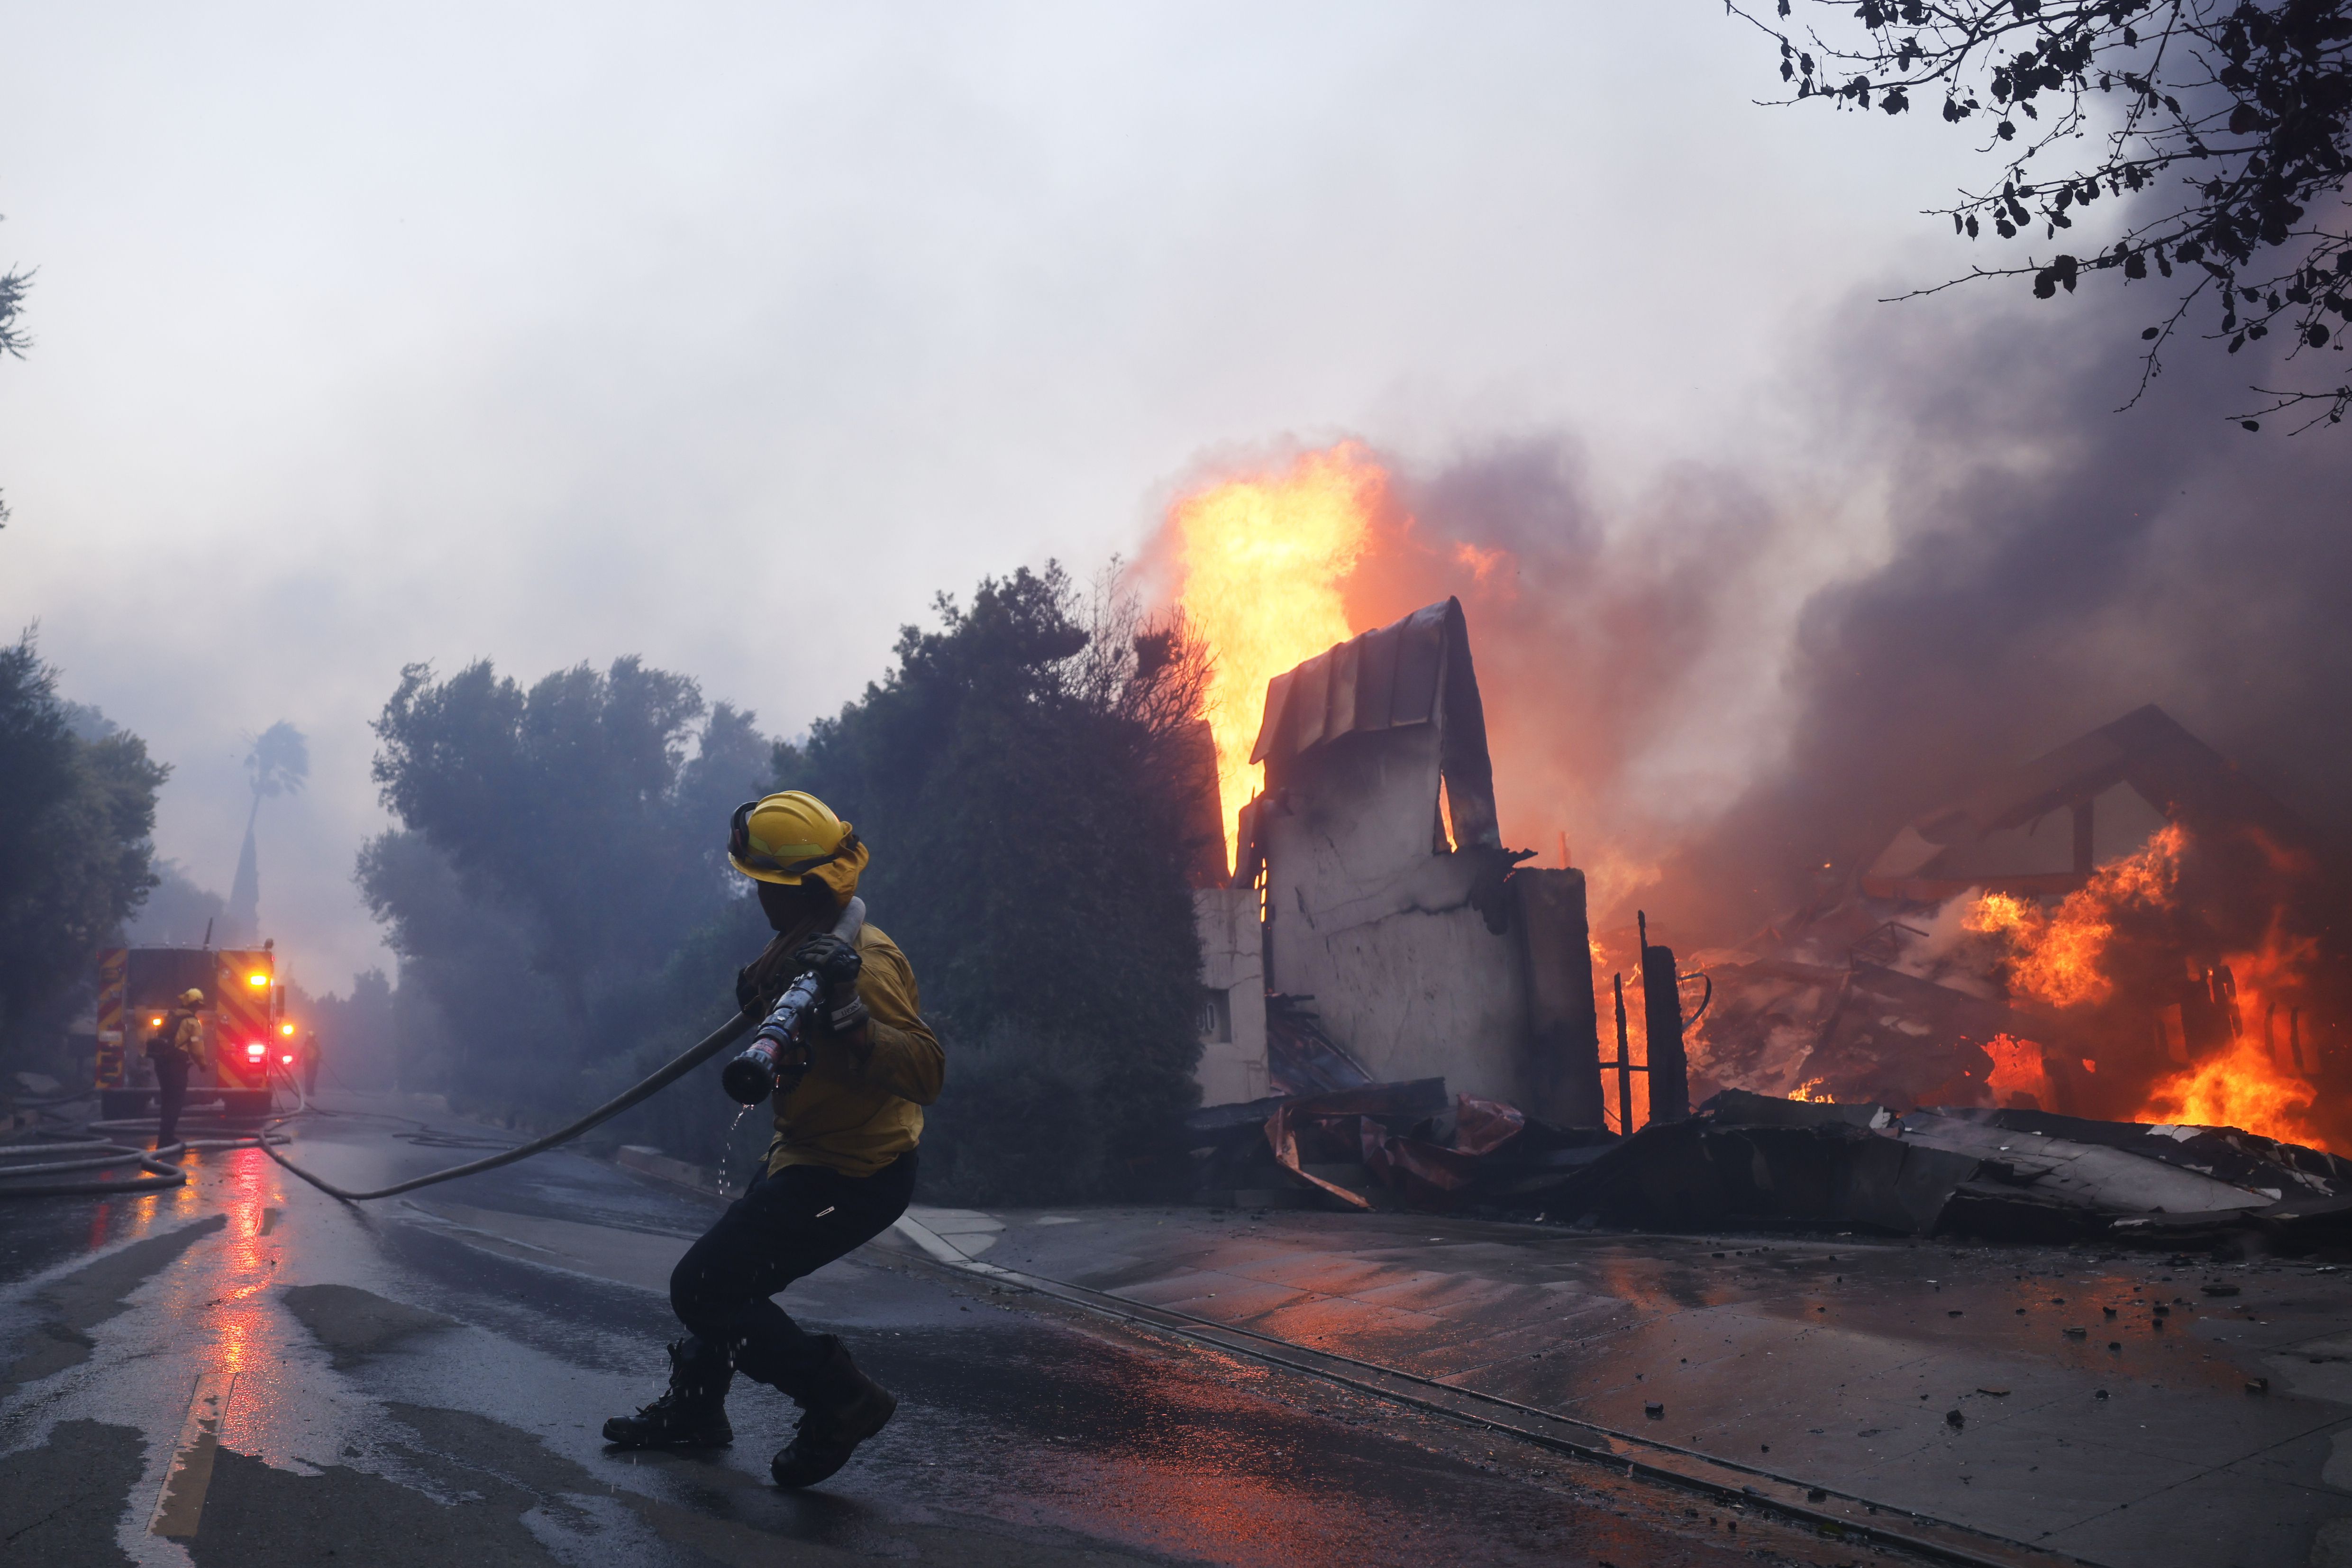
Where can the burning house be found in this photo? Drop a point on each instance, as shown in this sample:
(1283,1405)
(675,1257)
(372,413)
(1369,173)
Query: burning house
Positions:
(1401,1003)
(2124,951)
(1376,929)
(2169,955)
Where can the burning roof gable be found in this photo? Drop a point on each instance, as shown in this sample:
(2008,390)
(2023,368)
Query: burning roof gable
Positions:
(2179,774)
(1410,672)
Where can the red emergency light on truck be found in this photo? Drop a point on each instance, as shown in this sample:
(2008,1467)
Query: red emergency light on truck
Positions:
(244,1005)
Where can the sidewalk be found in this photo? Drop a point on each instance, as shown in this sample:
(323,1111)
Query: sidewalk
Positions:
(2119,1409)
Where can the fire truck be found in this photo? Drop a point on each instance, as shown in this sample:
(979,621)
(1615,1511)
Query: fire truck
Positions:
(244,1021)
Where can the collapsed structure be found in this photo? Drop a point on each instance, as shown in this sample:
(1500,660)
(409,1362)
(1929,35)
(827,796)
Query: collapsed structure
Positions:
(1399,1010)
(2186,919)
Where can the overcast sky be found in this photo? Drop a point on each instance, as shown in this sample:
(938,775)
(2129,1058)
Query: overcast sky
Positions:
(727,335)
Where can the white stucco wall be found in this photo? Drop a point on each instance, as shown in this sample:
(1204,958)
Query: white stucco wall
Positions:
(1232,1069)
(1379,929)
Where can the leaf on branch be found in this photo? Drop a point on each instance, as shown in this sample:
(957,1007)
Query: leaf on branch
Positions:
(2060,273)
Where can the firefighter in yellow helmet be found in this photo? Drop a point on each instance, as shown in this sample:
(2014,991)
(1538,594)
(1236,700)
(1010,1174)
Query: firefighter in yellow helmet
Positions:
(838,1172)
(176,1046)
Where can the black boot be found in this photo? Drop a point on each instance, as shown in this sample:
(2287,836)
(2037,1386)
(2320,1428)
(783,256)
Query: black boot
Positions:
(691,1414)
(841,1409)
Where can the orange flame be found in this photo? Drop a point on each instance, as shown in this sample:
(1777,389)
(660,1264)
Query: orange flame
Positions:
(1262,561)
(2018,1068)
(2240,1087)
(2248,1085)
(2060,958)
(2056,958)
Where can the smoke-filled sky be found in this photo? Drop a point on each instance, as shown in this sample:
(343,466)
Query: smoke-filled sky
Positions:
(727,335)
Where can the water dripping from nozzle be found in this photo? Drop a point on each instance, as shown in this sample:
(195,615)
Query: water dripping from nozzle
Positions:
(727,1152)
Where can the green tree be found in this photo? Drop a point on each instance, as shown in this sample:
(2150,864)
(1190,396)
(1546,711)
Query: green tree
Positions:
(13,341)
(558,844)
(497,1031)
(2222,129)
(75,859)
(573,804)
(1016,776)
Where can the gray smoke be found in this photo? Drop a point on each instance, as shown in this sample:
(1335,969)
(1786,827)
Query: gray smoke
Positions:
(2048,564)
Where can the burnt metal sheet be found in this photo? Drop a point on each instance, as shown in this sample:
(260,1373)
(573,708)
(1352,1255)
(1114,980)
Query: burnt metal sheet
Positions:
(1702,1174)
(2226,1153)
(1380,680)
(2094,1177)
(1417,671)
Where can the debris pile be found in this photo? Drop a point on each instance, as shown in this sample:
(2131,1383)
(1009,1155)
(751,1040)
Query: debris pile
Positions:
(1749,1160)
(2001,1175)
(1383,1145)
(2177,958)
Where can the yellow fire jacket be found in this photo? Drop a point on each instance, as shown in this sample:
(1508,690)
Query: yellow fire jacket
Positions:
(858,1110)
(182,1031)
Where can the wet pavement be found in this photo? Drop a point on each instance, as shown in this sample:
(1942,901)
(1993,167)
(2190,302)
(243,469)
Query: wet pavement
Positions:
(2120,1408)
(245,1371)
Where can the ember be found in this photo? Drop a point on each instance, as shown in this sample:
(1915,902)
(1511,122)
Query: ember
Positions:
(2017,1069)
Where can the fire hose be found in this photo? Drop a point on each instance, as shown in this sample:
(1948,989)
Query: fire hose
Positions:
(101,1153)
(779,1049)
(778,1052)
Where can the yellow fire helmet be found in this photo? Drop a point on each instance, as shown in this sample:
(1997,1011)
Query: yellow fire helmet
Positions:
(191,997)
(790,838)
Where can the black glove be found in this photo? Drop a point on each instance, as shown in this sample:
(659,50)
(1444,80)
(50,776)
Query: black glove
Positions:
(835,962)
(747,990)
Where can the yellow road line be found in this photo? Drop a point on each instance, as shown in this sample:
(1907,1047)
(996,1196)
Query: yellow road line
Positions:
(180,1505)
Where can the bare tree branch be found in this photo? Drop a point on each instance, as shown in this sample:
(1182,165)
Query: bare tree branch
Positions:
(2222,123)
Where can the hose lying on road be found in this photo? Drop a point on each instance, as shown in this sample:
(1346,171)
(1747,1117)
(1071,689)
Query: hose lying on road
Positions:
(163,1175)
(102,1153)
(717,1040)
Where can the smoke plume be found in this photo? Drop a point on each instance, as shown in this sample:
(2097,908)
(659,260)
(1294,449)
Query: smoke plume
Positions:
(1745,675)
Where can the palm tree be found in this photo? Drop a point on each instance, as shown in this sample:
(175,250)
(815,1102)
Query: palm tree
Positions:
(279,759)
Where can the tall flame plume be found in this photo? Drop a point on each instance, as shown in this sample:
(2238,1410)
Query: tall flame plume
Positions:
(1261,562)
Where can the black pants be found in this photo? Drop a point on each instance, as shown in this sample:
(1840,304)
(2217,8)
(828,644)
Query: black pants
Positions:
(784,1225)
(172,1081)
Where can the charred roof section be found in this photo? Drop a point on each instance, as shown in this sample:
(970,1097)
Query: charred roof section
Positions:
(2177,774)
(1410,672)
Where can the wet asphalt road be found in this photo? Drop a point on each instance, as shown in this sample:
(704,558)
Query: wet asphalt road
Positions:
(423,1382)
